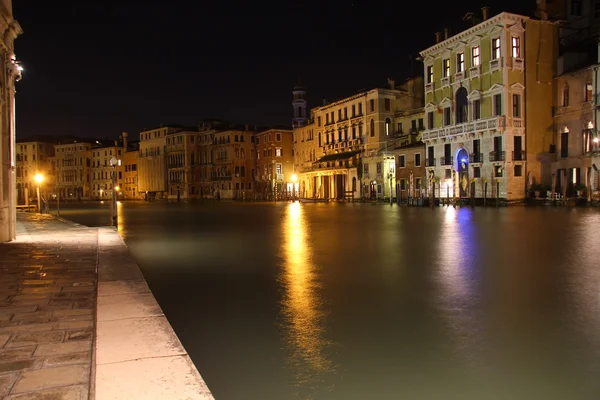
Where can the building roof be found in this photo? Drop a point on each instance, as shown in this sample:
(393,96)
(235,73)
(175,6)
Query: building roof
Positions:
(338,156)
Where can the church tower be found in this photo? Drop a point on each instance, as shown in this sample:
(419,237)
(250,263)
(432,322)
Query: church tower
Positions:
(299,104)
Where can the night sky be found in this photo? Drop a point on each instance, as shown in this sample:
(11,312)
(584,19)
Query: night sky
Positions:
(97,68)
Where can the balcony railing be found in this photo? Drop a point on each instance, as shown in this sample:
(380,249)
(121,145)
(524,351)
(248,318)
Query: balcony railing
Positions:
(446,160)
(476,158)
(519,155)
(497,156)
(496,123)
(430,162)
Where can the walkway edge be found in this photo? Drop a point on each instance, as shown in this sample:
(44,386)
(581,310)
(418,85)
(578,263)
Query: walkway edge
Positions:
(138,355)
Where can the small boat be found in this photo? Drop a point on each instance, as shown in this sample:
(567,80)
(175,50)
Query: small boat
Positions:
(306,200)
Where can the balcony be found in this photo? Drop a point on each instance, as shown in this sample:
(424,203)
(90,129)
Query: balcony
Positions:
(445,81)
(519,155)
(496,123)
(518,63)
(474,71)
(430,162)
(429,87)
(476,158)
(459,76)
(495,64)
(497,156)
(517,123)
(446,160)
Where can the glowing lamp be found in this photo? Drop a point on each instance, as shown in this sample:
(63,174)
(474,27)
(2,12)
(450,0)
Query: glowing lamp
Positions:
(294,178)
(117,188)
(39,178)
(596,140)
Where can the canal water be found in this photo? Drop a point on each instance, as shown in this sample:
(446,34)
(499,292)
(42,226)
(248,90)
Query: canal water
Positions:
(361,301)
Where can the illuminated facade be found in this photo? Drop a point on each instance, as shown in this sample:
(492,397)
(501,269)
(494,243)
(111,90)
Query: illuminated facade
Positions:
(34,158)
(479,125)
(10,29)
(73,167)
(234,159)
(129,185)
(328,149)
(182,157)
(204,166)
(274,163)
(576,138)
(152,162)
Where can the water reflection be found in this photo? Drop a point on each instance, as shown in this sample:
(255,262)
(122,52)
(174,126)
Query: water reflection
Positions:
(304,318)
(457,277)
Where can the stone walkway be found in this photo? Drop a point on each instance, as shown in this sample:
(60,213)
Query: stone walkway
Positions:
(48,284)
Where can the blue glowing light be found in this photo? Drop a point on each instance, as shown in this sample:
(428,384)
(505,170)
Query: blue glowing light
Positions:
(464,160)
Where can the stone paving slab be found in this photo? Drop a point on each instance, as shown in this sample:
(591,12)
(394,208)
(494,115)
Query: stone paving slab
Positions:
(48,284)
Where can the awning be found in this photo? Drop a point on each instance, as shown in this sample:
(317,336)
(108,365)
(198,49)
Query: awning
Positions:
(339,156)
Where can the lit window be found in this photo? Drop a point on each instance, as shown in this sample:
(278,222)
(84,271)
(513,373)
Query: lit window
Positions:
(589,90)
(516,47)
(475,56)
(446,67)
(278,152)
(429,73)
(460,62)
(495,48)
(516,105)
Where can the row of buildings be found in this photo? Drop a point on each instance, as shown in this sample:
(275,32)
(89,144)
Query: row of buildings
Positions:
(214,159)
(504,109)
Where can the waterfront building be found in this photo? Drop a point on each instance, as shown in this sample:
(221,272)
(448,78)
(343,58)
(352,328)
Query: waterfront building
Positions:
(34,157)
(73,167)
(204,167)
(130,188)
(275,175)
(10,29)
(182,155)
(479,125)
(576,138)
(379,165)
(152,161)
(329,147)
(410,170)
(234,164)
(101,169)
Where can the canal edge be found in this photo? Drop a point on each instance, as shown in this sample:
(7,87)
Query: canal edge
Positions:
(137,352)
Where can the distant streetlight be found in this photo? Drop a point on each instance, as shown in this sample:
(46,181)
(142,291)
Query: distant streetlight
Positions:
(39,178)
(113,205)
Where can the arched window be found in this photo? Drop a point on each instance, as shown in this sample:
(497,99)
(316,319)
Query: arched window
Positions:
(388,125)
(192,158)
(354,184)
(372,127)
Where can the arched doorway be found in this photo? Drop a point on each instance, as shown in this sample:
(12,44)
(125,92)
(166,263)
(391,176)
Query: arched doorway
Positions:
(462,161)
(462,103)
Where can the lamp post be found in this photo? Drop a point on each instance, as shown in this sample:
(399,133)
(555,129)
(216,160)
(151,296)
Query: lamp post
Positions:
(113,204)
(39,178)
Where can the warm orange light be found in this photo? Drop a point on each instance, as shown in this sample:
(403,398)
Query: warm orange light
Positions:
(39,178)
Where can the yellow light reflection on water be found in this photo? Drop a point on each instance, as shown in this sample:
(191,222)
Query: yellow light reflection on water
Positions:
(120,219)
(302,304)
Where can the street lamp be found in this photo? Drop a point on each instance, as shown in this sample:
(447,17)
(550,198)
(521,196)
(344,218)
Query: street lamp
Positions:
(39,178)
(113,204)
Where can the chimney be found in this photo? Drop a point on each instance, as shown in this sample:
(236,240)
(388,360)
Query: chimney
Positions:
(485,13)
(324,101)
(116,143)
(125,134)
(445,33)
(392,83)
(541,11)
(246,126)
(438,37)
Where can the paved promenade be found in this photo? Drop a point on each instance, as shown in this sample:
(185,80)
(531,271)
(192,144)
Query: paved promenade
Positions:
(78,322)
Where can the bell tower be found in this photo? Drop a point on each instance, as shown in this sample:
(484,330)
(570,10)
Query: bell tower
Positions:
(299,104)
